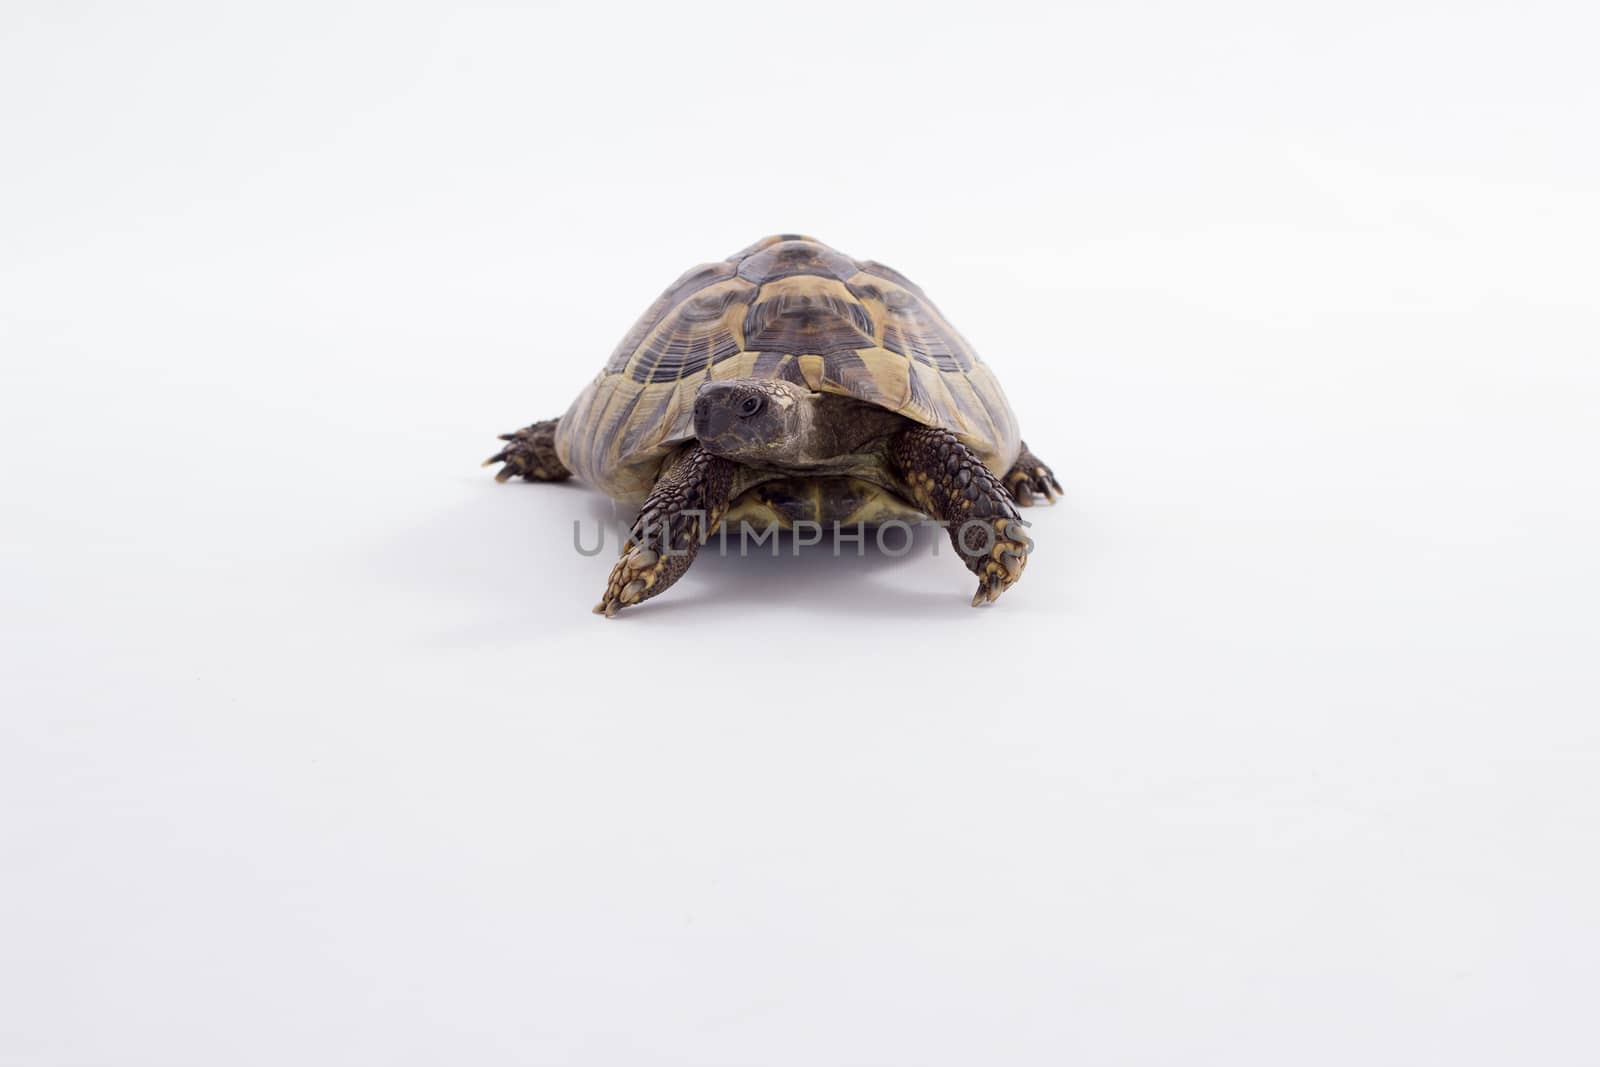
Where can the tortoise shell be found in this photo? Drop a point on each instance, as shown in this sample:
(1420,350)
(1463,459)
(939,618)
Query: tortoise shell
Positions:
(786,307)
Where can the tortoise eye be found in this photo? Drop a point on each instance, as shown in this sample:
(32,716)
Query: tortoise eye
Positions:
(750,406)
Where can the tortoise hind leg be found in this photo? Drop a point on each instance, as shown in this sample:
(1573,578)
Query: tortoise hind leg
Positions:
(531,453)
(1029,476)
(689,500)
(949,482)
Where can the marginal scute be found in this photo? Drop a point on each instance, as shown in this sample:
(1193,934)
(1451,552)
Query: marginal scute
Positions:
(786,307)
(849,373)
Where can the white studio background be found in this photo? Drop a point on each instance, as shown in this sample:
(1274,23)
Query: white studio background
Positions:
(1285,749)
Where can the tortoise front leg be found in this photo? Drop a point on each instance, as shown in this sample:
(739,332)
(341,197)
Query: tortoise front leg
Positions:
(687,503)
(950,483)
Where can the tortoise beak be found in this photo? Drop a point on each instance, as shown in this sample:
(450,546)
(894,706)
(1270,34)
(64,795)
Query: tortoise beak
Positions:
(714,410)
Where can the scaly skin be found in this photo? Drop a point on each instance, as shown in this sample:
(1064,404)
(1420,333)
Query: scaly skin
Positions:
(1028,476)
(688,502)
(947,481)
(530,453)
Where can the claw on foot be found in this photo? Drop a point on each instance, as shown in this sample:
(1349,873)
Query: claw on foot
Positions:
(530,453)
(1006,559)
(1028,483)
(988,589)
(630,581)
(504,474)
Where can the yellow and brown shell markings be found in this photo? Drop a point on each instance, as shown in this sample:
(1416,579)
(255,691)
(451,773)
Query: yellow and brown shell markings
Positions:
(786,307)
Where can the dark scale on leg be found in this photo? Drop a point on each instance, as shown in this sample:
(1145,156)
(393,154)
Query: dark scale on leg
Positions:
(950,483)
(1029,477)
(688,502)
(530,453)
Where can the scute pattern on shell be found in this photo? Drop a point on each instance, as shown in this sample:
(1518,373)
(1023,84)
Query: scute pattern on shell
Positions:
(786,307)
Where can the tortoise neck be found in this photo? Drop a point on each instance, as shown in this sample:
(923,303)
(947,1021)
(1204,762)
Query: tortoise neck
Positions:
(834,428)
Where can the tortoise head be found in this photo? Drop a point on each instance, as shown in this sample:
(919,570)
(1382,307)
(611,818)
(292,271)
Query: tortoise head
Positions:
(753,419)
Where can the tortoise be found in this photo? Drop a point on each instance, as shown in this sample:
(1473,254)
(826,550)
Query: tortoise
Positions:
(791,384)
